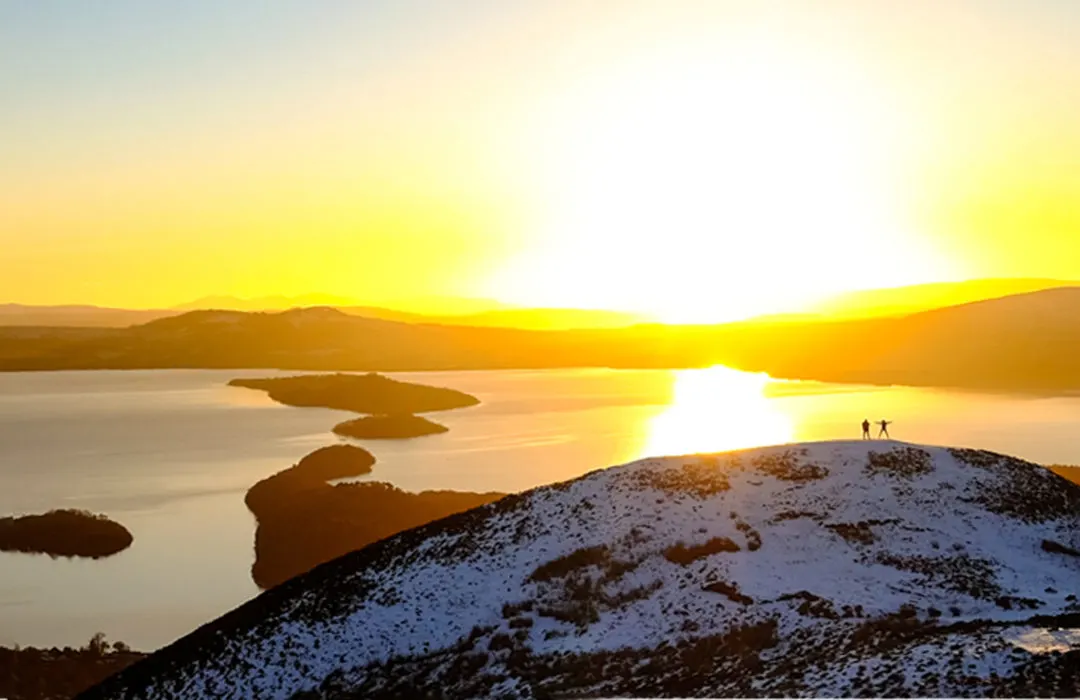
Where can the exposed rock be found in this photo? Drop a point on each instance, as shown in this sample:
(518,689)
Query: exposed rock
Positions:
(1054,547)
(685,555)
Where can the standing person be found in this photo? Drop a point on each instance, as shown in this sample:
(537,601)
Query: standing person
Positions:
(865,429)
(884,429)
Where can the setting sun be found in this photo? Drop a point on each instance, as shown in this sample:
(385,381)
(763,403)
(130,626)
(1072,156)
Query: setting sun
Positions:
(688,161)
(717,409)
(706,183)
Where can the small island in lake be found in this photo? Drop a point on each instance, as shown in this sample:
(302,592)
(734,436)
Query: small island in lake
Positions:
(304,521)
(361,393)
(389,427)
(64,533)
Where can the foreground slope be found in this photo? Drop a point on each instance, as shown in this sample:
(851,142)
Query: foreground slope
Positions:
(847,568)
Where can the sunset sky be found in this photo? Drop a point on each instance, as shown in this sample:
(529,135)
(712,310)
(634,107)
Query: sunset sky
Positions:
(695,160)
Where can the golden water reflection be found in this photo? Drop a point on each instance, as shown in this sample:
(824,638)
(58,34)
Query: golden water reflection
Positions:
(717,409)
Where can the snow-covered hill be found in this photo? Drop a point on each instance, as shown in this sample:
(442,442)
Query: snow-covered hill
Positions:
(841,568)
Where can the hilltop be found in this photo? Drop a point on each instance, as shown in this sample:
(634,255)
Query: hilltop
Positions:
(827,569)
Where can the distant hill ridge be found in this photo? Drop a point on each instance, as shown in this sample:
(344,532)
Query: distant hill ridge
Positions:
(904,301)
(1023,342)
(898,301)
(525,318)
(821,569)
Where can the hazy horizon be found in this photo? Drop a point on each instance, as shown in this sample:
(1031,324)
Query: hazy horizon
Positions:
(853,304)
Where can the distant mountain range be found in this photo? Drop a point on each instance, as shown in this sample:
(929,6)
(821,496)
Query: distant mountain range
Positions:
(457,311)
(101,317)
(77,316)
(271,303)
(845,569)
(461,311)
(1023,342)
(444,305)
(903,301)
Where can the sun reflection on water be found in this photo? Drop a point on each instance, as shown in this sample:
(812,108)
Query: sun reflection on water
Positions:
(717,409)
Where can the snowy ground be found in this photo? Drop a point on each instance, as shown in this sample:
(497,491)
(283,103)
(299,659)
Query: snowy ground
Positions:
(832,568)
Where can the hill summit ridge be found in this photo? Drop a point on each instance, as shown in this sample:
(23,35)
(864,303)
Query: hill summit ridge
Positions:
(834,568)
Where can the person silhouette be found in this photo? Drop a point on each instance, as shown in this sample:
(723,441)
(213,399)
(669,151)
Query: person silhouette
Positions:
(884,429)
(865,429)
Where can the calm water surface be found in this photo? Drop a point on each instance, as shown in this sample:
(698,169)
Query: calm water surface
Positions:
(170,454)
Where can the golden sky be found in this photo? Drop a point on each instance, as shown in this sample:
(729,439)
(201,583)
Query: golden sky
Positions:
(696,160)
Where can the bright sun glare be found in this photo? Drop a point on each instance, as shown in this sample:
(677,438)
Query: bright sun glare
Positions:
(717,409)
(719,185)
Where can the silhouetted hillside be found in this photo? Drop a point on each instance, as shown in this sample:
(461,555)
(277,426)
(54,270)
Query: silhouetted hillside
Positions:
(312,339)
(88,316)
(865,303)
(47,345)
(446,311)
(77,316)
(1024,342)
(907,300)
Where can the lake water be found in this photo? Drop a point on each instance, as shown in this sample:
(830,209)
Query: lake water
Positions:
(170,455)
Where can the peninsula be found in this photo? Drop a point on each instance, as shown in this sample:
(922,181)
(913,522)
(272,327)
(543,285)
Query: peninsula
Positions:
(303,521)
